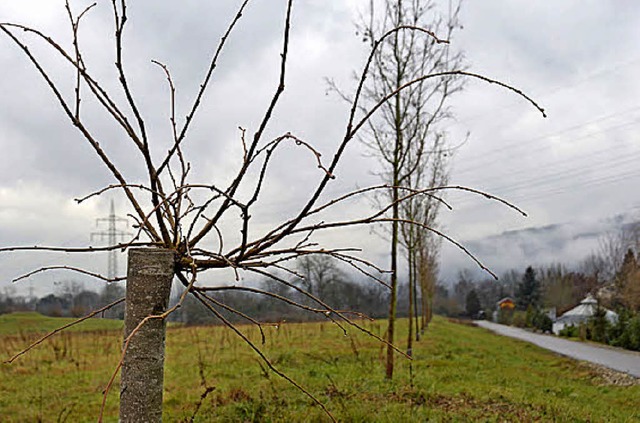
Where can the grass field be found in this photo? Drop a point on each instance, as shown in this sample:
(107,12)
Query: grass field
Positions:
(460,373)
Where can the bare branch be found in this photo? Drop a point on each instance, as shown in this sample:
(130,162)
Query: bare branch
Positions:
(203,87)
(65,106)
(89,249)
(258,135)
(267,361)
(71,268)
(389,96)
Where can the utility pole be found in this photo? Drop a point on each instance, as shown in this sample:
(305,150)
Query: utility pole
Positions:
(112,234)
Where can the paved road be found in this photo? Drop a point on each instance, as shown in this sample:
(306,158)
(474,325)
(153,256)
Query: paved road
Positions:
(628,362)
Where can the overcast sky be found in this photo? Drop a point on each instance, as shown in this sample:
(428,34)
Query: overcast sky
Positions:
(576,169)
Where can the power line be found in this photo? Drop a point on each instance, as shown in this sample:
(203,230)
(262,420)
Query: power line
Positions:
(549,92)
(581,186)
(561,174)
(578,185)
(112,234)
(519,144)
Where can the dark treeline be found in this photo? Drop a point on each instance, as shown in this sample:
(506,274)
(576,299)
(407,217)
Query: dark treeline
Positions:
(365,298)
(362,296)
(71,299)
(552,286)
(319,276)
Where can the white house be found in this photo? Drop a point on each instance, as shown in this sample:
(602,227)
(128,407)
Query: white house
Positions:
(581,314)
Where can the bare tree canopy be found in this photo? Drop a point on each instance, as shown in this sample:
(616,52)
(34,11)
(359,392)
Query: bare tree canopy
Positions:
(184,217)
(404,136)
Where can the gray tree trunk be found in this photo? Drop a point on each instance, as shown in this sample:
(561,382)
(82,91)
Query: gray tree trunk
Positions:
(149,276)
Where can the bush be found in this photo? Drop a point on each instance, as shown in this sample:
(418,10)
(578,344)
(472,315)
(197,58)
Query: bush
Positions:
(569,332)
(533,318)
(633,331)
(542,322)
(530,316)
(505,316)
(627,332)
(617,329)
(599,327)
(519,319)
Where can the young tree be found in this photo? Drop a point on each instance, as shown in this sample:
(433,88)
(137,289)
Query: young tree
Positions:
(404,136)
(178,220)
(421,247)
(426,274)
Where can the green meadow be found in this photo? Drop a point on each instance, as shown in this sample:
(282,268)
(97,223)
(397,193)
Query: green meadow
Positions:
(459,373)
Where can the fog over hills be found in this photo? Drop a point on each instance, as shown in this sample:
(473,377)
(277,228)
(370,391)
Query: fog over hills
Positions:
(568,243)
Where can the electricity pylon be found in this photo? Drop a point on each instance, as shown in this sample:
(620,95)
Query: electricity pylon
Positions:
(112,234)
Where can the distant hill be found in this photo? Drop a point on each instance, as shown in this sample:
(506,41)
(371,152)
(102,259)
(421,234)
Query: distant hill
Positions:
(566,243)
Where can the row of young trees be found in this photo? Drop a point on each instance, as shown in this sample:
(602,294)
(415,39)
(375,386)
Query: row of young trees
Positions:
(407,140)
(413,77)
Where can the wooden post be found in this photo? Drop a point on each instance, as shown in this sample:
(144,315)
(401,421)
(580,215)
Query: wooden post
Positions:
(149,276)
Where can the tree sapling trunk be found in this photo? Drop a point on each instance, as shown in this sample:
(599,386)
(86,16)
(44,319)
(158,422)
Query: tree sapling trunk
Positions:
(149,276)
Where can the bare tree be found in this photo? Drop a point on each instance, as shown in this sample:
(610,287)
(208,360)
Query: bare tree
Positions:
(404,135)
(178,220)
(426,263)
(320,275)
(613,247)
(412,76)
(422,247)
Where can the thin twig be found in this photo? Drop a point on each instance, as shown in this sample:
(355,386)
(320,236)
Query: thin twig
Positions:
(203,87)
(267,361)
(89,249)
(71,268)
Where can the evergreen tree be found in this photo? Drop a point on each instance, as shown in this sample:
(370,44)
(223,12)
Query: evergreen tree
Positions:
(629,266)
(473,304)
(627,283)
(528,293)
